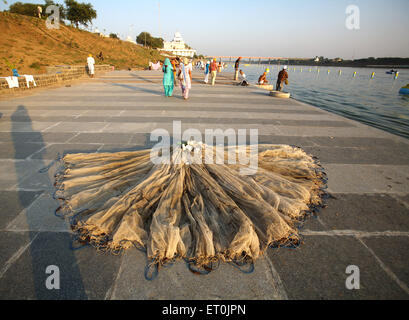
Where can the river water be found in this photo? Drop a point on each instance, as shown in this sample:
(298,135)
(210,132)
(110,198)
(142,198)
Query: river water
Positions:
(375,102)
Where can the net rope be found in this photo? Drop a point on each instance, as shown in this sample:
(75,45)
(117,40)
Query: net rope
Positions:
(202,213)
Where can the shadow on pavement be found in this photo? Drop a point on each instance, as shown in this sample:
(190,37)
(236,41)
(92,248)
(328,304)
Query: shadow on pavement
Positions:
(46,249)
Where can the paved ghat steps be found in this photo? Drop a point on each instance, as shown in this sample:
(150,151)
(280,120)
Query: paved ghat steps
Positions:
(366,224)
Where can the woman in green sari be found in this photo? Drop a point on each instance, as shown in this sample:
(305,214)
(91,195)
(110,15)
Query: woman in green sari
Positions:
(168,78)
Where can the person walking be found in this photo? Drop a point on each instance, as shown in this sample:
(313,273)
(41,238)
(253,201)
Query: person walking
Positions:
(282,77)
(213,71)
(219,68)
(168,78)
(185,76)
(39,11)
(237,67)
(207,72)
(91,63)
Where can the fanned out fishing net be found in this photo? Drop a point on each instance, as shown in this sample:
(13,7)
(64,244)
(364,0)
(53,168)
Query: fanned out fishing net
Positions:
(202,213)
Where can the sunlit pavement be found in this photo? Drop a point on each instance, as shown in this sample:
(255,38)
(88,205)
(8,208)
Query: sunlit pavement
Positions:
(366,224)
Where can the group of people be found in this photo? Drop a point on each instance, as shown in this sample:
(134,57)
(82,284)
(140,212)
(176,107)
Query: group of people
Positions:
(262,80)
(202,65)
(281,79)
(181,70)
(174,71)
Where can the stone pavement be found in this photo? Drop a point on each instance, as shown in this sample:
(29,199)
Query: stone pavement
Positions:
(366,223)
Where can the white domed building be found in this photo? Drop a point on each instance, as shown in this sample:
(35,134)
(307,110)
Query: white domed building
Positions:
(178,47)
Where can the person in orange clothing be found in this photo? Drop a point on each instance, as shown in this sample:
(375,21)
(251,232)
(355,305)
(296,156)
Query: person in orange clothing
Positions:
(263,78)
(213,70)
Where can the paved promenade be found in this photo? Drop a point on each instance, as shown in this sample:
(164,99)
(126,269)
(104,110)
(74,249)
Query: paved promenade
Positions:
(366,224)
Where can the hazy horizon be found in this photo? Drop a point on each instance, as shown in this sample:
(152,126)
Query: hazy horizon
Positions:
(295,29)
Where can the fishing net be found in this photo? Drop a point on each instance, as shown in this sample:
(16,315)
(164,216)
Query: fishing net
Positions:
(203,213)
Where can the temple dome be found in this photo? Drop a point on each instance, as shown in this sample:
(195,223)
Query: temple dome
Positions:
(178,47)
(178,37)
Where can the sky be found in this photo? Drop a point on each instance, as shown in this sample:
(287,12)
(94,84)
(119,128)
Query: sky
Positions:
(268,28)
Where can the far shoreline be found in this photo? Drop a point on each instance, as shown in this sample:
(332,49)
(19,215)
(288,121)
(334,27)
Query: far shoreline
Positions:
(334,65)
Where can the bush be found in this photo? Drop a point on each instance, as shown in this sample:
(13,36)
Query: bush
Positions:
(80,13)
(113,36)
(27,9)
(30,9)
(35,65)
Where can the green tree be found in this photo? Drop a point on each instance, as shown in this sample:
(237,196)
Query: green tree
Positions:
(80,13)
(27,9)
(113,36)
(147,40)
(144,39)
(157,43)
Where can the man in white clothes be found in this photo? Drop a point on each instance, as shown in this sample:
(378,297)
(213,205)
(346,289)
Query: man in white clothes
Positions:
(91,63)
(39,11)
(243,79)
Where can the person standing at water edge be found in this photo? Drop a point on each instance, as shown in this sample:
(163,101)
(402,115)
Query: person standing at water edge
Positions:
(213,70)
(168,78)
(207,72)
(91,63)
(237,67)
(185,76)
(282,77)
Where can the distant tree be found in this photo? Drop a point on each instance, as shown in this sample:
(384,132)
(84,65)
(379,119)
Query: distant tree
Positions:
(80,13)
(27,9)
(147,40)
(113,36)
(157,43)
(144,39)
